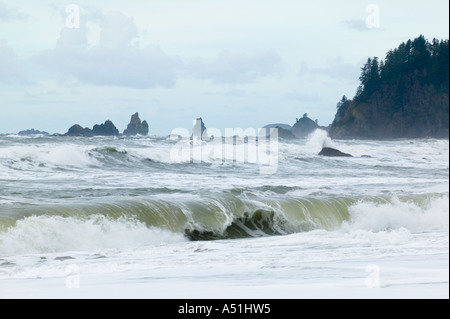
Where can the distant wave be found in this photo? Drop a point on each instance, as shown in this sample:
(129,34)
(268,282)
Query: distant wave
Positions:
(45,153)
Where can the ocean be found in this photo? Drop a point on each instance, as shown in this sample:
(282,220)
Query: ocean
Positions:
(160,217)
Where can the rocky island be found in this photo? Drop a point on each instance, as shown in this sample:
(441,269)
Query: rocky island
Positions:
(32,132)
(136,127)
(105,129)
(302,128)
(108,128)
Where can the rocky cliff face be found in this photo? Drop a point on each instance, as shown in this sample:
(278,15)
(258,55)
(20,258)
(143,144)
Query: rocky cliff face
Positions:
(406,95)
(136,127)
(423,115)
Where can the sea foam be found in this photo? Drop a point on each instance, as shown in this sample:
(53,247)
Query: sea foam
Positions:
(48,234)
(433,215)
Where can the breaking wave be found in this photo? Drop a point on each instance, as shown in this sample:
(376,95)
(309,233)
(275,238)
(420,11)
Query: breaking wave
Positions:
(150,222)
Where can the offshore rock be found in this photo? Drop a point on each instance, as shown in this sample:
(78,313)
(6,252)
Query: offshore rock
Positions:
(285,134)
(106,129)
(279,125)
(32,132)
(331,152)
(77,130)
(200,131)
(136,127)
(284,131)
(304,126)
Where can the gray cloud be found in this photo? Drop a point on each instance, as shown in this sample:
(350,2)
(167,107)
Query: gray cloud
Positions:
(360,25)
(8,13)
(117,31)
(11,71)
(236,68)
(115,61)
(356,24)
(336,69)
(230,93)
(118,60)
(302,97)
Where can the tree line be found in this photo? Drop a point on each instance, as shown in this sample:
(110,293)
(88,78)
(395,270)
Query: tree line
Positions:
(406,94)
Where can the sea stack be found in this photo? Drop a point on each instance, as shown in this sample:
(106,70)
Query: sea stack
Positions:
(105,129)
(136,126)
(200,131)
(78,130)
(304,126)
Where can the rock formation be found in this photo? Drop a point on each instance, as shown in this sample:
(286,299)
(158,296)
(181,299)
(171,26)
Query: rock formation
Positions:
(279,125)
(331,152)
(136,127)
(106,129)
(32,132)
(285,134)
(200,131)
(77,130)
(284,131)
(304,126)
(406,95)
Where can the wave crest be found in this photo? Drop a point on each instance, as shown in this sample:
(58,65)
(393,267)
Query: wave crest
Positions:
(46,234)
(147,222)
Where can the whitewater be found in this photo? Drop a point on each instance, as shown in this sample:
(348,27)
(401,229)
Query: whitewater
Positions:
(163,217)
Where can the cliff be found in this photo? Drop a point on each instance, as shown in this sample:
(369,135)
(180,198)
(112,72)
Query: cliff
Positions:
(406,95)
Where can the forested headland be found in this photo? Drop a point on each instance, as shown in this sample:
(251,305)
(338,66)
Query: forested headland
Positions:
(404,95)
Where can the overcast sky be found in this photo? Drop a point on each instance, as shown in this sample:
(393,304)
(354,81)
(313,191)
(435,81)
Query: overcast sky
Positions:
(235,63)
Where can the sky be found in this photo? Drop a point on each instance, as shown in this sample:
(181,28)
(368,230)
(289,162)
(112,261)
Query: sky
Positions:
(235,63)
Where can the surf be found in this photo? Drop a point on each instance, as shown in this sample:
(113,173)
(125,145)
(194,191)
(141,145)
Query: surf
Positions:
(151,222)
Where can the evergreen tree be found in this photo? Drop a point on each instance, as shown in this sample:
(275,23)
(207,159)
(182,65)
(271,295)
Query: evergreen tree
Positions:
(404,95)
